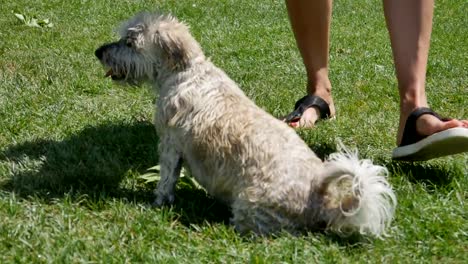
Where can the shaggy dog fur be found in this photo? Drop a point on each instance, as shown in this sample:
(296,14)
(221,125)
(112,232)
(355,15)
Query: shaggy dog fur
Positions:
(238,152)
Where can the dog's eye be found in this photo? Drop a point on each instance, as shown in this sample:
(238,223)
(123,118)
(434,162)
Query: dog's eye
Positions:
(129,44)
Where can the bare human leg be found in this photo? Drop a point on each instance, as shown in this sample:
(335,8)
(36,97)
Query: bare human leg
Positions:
(310,21)
(410,24)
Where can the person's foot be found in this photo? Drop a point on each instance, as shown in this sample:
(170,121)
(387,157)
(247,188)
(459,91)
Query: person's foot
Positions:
(425,135)
(312,115)
(427,125)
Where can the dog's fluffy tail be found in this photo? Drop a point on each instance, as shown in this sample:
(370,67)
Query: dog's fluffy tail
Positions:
(356,195)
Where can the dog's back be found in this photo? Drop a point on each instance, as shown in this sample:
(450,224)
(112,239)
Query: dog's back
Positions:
(228,141)
(258,164)
(240,153)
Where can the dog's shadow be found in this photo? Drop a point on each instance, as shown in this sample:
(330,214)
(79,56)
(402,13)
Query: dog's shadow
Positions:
(93,158)
(100,162)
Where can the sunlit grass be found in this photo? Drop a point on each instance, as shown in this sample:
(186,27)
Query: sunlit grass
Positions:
(73,145)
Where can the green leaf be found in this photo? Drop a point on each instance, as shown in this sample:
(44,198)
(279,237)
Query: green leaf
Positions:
(34,22)
(150,177)
(20,17)
(156,168)
(154,174)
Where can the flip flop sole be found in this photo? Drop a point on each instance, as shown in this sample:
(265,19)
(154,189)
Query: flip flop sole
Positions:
(448,142)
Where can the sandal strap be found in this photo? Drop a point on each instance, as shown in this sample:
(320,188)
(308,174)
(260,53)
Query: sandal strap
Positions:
(306,102)
(410,134)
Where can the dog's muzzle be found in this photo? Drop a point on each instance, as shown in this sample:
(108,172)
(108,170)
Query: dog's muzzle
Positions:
(115,75)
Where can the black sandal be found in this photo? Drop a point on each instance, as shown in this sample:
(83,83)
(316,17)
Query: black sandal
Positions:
(305,103)
(414,146)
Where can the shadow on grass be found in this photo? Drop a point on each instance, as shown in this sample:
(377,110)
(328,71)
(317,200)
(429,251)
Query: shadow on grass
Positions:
(323,150)
(93,163)
(433,174)
(93,159)
(194,206)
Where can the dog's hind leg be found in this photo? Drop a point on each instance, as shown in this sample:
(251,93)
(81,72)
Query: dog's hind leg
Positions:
(171,163)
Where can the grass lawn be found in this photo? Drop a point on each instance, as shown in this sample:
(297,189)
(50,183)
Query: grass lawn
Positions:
(73,144)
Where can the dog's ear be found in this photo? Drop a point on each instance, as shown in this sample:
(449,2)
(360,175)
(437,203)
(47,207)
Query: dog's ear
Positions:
(178,46)
(136,36)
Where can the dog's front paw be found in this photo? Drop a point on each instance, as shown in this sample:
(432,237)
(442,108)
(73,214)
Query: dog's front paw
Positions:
(163,199)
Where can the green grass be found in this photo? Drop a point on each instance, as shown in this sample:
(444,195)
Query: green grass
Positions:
(73,144)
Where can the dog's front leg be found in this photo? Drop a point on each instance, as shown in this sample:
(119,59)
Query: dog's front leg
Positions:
(171,163)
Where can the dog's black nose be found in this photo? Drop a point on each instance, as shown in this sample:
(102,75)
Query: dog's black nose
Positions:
(99,52)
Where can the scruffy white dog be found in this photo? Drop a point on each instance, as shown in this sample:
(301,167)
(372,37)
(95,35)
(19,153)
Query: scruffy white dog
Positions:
(238,152)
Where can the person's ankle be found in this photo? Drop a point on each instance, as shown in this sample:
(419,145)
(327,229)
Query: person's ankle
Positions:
(411,99)
(408,106)
(318,82)
(322,89)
